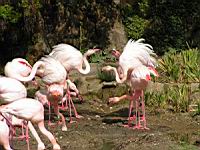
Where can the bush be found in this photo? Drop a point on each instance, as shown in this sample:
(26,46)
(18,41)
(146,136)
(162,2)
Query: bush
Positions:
(180,67)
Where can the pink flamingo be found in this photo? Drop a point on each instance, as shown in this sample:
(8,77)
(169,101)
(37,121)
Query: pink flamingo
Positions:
(135,53)
(71,58)
(4,135)
(53,75)
(14,122)
(71,90)
(18,68)
(31,111)
(12,90)
(136,60)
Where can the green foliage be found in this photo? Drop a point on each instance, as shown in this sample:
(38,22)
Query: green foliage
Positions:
(107,76)
(156,99)
(102,56)
(163,24)
(135,26)
(179,97)
(174,96)
(180,67)
(30,8)
(8,14)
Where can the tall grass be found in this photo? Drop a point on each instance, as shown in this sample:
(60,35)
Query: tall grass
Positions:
(175,98)
(180,67)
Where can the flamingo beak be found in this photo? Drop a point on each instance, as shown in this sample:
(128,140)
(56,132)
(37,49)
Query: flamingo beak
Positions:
(96,49)
(56,94)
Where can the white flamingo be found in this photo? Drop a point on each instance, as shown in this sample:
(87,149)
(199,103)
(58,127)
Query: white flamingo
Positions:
(12,90)
(32,111)
(137,61)
(16,68)
(53,75)
(71,58)
(135,53)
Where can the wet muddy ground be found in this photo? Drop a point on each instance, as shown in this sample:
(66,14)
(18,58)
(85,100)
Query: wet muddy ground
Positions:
(101,129)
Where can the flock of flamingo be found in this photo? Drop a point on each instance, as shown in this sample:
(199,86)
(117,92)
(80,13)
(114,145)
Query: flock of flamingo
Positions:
(136,64)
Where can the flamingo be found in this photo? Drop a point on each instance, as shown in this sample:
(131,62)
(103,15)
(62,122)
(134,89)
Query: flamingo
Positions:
(31,111)
(71,90)
(53,75)
(4,135)
(14,122)
(18,68)
(11,90)
(135,53)
(71,58)
(136,63)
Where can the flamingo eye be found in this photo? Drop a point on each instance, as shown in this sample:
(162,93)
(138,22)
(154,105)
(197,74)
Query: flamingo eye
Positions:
(24,63)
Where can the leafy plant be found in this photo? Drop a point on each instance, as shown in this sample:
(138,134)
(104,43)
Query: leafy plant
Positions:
(180,67)
(104,75)
(156,99)
(179,97)
(9,14)
(135,26)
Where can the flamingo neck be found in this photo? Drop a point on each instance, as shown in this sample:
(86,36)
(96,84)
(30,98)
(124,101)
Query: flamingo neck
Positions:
(32,74)
(117,76)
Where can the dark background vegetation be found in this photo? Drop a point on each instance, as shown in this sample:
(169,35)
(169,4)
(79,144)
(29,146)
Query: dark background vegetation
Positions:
(29,28)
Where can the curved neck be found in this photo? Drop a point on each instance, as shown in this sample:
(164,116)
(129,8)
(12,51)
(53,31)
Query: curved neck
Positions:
(87,66)
(32,74)
(117,76)
(86,63)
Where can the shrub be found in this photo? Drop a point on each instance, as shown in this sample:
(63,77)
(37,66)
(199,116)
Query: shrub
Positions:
(180,67)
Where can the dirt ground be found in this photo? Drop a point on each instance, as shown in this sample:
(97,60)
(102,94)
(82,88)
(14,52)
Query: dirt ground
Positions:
(101,129)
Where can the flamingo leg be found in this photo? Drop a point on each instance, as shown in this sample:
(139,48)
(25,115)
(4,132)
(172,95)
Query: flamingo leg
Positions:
(49,135)
(41,145)
(140,107)
(56,110)
(74,108)
(49,121)
(143,112)
(27,137)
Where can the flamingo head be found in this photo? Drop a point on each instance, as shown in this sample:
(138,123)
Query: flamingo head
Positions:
(55,91)
(92,51)
(23,65)
(116,53)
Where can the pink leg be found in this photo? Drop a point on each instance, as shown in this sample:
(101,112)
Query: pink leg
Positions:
(64,107)
(75,112)
(49,135)
(27,137)
(56,110)
(49,121)
(136,96)
(143,112)
(71,105)
(129,116)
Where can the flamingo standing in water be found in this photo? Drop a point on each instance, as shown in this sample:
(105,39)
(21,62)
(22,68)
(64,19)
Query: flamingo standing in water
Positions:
(136,64)
(32,111)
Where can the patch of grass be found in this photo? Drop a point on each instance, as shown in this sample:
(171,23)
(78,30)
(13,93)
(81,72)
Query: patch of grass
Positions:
(180,67)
